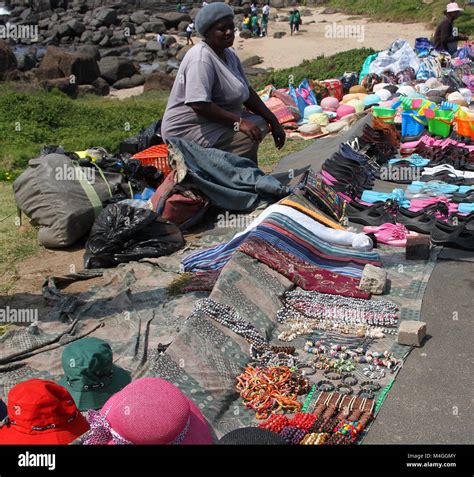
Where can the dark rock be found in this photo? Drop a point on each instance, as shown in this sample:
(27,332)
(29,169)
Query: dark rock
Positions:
(105,41)
(113,69)
(170,40)
(139,30)
(63,84)
(64,30)
(143,57)
(128,29)
(173,19)
(110,52)
(135,80)
(279,34)
(245,34)
(153,45)
(182,26)
(249,70)
(8,61)
(101,86)
(87,37)
(77,27)
(95,23)
(139,17)
(89,50)
(58,63)
(158,81)
(154,27)
(252,61)
(107,16)
(329,11)
(182,52)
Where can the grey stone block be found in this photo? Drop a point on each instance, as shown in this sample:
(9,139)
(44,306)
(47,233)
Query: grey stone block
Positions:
(411,333)
(373,280)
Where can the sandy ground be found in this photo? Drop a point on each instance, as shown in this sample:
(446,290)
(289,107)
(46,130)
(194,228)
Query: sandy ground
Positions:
(314,39)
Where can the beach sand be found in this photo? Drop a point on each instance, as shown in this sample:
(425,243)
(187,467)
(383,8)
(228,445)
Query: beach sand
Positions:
(313,39)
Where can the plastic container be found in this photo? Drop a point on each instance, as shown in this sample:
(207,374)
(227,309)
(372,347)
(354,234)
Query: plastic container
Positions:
(441,124)
(156,156)
(412,123)
(386,114)
(465,127)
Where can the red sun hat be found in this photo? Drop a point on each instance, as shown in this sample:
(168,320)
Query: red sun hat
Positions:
(149,411)
(41,412)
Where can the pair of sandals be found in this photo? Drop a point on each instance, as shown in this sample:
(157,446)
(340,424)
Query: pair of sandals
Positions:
(381,213)
(456,236)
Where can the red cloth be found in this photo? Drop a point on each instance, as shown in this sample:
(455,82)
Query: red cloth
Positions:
(302,274)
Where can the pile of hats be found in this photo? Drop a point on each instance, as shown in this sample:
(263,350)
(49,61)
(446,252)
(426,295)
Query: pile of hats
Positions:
(144,411)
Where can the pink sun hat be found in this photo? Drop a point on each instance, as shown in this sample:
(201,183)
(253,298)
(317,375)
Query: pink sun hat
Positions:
(149,411)
(330,104)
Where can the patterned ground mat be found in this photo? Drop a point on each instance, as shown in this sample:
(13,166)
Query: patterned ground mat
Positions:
(155,331)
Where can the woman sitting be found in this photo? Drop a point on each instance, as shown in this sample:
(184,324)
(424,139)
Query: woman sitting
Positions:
(210,91)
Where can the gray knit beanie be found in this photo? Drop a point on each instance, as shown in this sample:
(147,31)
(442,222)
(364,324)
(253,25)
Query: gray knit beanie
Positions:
(210,15)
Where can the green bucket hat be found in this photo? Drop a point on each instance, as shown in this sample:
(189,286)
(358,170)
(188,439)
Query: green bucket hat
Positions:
(90,375)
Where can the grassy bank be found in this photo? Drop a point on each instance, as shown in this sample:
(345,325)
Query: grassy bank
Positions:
(33,118)
(321,68)
(406,11)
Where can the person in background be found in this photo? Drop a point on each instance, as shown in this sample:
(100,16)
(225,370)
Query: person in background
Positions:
(246,22)
(255,25)
(446,36)
(161,39)
(206,104)
(292,22)
(265,18)
(189,34)
(178,7)
(253,8)
(297,18)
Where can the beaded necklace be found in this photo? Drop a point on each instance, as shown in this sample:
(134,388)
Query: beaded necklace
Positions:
(345,310)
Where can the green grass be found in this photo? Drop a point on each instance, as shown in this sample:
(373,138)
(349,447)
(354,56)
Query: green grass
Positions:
(16,242)
(321,68)
(31,119)
(407,11)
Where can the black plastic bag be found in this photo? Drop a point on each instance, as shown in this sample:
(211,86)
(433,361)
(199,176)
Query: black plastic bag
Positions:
(122,233)
(151,136)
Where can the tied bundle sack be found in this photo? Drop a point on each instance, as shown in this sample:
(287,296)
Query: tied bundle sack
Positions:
(124,232)
(62,198)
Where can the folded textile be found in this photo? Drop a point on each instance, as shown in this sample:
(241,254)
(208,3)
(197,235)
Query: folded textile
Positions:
(302,274)
(313,214)
(285,232)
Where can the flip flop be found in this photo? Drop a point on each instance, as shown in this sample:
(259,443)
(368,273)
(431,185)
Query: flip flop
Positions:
(391,234)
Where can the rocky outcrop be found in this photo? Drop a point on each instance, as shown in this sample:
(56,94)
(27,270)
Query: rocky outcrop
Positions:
(115,68)
(58,63)
(8,61)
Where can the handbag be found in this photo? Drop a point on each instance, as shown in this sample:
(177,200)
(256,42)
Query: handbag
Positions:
(324,196)
(180,205)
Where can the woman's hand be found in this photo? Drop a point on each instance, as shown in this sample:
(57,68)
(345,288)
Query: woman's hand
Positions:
(251,130)
(278,134)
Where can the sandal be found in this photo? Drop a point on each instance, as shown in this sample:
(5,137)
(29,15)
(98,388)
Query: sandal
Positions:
(375,215)
(391,234)
(456,237)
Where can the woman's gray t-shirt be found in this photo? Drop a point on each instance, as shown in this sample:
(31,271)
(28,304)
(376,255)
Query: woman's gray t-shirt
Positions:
(204,77)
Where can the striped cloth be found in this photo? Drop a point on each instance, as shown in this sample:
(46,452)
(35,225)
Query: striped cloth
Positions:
(291,237)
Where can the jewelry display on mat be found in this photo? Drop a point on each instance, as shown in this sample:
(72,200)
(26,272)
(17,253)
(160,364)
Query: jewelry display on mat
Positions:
(351,311)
